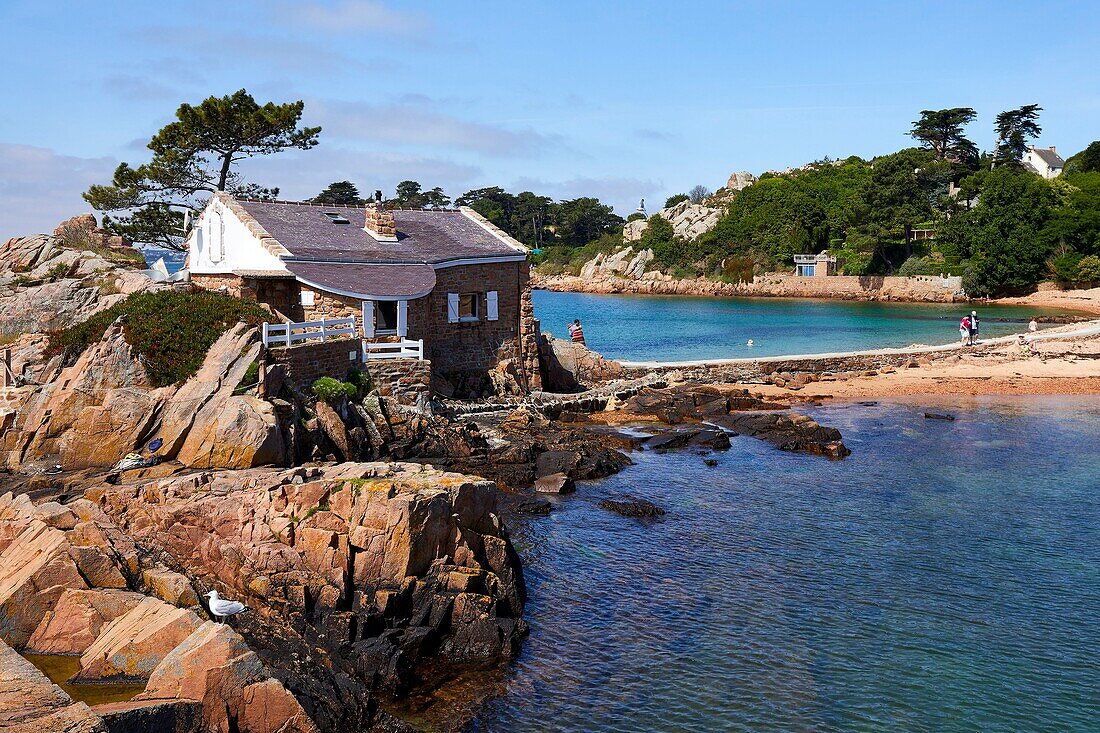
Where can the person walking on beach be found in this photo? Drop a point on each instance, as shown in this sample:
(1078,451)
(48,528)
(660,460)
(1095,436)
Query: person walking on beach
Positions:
(964,330)
(974,327)
(576,333)
(1033,326)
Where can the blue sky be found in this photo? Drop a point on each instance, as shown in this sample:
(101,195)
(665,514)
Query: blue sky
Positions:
(618,100)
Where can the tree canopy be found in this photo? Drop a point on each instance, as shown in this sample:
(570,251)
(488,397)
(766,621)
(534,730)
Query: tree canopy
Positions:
(339,192)
(194,157)
(1015,128)
(941,131)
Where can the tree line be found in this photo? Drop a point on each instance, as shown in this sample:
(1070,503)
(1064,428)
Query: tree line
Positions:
(993,221)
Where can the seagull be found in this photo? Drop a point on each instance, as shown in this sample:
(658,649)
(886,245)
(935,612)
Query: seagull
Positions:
(222,608)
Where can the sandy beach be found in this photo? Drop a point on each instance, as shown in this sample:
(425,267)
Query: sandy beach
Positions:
(1060,366)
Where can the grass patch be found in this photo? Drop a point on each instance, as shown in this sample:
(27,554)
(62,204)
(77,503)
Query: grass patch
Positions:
(330,390)
(170,330)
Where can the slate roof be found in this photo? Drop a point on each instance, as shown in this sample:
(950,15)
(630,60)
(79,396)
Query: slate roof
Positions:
(366,281)
(1051,158)
(422,236)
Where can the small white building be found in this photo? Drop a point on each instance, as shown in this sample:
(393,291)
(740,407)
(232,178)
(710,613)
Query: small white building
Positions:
(1044,161)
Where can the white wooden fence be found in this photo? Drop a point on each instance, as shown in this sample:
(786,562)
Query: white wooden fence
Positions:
(288,334)
(403,349)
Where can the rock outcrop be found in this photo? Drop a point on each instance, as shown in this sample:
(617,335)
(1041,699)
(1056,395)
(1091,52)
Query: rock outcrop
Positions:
(30,703)
(104,406)
(623,262)
(363,569)
(49,282)
(689,221)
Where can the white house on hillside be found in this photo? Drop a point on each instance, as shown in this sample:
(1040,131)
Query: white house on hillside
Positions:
(1044,161)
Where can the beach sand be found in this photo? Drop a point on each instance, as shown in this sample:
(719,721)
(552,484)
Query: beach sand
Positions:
(1067,366)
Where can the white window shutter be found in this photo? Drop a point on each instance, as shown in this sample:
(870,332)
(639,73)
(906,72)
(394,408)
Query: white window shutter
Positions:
(368,319)
(402,318)
(452,307)
(491,305)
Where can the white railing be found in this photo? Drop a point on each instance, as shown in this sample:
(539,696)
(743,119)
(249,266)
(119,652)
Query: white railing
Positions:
(288,334)
(805,259)
(403,349)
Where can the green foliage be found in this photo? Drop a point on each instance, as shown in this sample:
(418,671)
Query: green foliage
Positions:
(339,192)
(362,380)
(410,196)
(539,221)
(1088,269)
(636,216)
(917,265)
(1063,266)
(674,199)
(169,330)
(1000,235)
(194,156)
(1087,161)
(332,391)
(561,259)
(941,131)
(1014,129)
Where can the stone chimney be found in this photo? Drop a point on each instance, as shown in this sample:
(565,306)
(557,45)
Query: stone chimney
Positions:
(379,222)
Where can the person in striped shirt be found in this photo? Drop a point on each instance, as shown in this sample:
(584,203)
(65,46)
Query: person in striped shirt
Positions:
(576,332)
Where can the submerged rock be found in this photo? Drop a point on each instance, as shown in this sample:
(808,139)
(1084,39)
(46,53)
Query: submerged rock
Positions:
(793,433)
(632,507)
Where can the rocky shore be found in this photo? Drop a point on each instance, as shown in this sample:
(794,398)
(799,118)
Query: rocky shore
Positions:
(770,285)
(367,537)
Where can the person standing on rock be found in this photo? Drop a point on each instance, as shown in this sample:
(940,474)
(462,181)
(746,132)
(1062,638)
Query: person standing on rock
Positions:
(576,333)
(964,330)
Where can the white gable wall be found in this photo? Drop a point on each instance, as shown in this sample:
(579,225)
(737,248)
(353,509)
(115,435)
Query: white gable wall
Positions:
(1036,161)
(221,243)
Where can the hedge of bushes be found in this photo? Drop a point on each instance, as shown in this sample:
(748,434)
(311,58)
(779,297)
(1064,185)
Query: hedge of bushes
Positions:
(169,330)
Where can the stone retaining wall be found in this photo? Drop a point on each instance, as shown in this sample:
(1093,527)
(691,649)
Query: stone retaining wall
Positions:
(309,361)
(402,379)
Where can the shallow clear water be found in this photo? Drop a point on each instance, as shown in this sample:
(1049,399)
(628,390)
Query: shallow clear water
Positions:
(945,577)
(671,328)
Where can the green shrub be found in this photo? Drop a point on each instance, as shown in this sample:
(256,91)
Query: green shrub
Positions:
(673,200)
(1088,269)
(917,266)
(169,330)
(1063,267)
(362,380)
(635,216)
(330,390)
(57,272)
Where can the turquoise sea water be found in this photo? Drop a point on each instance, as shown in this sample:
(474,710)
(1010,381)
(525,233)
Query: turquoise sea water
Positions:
(944,578)
(671,328)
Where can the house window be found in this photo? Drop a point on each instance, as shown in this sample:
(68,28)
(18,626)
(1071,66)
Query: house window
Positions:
(385,316)
(468,306)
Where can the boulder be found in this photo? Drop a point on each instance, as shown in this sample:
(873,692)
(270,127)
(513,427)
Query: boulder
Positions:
(170,587)
(234,432)
(632,507)
(214,666)
(30,703)
(35,570)
(555,483)
(133,644)
(77,619)
(151,716)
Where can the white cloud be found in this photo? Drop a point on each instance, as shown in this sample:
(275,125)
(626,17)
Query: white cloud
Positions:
(39,188)
(414,124)
(355,16)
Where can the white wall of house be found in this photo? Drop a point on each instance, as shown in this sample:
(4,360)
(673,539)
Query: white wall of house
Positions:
(221,243)
(1036,161)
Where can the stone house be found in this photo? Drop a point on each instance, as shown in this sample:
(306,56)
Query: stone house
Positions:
(1044,161)
(448,277)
